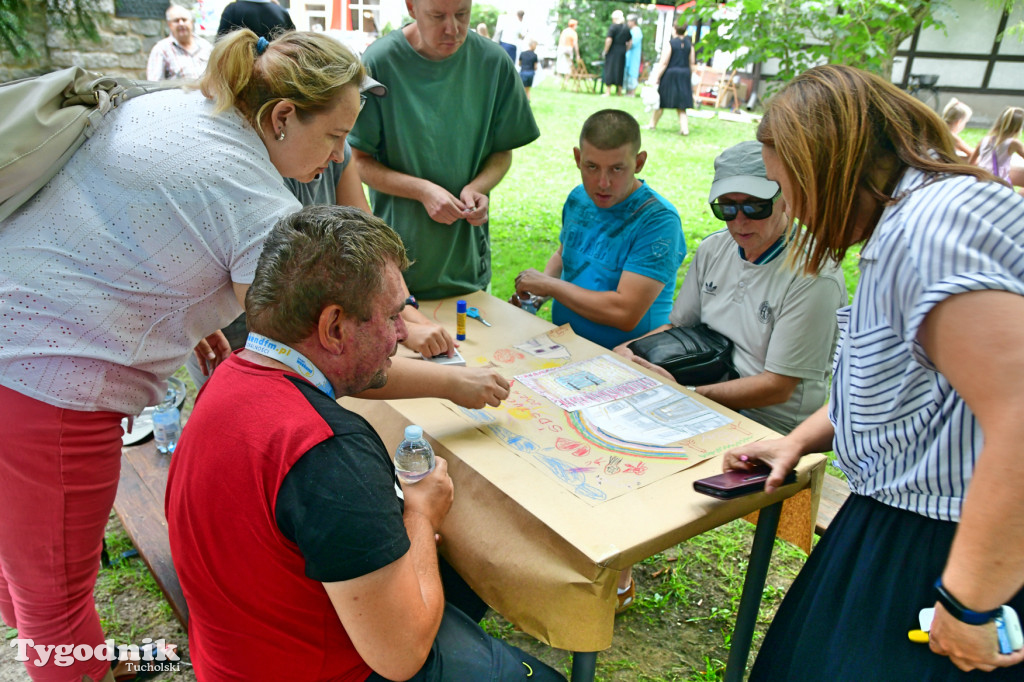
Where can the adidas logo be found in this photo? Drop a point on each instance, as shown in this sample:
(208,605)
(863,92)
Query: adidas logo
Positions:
(710,288)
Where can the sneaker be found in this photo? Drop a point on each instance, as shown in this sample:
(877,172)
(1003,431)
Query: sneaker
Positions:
(626,598)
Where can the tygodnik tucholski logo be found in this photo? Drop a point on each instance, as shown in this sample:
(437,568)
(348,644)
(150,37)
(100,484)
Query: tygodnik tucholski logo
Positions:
(150,656)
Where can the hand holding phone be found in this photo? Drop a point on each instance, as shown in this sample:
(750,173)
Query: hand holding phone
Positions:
(737,482)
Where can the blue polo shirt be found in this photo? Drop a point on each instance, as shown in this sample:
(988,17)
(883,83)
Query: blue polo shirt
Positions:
(642,234)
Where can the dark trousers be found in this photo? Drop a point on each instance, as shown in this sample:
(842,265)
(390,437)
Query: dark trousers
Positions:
(463,652)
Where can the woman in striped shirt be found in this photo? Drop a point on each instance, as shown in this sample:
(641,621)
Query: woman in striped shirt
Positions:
(926,414)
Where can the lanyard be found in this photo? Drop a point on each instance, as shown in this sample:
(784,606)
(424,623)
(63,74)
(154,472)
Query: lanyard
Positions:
(275,350)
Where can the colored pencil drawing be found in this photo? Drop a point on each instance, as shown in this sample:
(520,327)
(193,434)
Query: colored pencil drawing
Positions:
(574,476)
(512,439)
(587,383)
(544,347)
(575,449)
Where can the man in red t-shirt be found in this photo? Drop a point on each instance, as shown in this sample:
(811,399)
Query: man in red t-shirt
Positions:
(300,554)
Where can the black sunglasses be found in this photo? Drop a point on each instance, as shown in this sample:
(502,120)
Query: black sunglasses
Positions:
(755,210)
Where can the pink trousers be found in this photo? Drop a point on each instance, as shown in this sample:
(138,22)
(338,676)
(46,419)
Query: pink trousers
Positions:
(58,477)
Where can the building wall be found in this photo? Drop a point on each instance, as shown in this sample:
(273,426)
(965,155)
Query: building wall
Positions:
(964,56)
(123,49)
(969,64)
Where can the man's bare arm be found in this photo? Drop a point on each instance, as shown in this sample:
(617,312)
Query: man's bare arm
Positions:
(470,387)
(760,390)
(406,591)
(349,190)
(440,204)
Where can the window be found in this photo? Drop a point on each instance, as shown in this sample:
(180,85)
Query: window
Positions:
(364,16)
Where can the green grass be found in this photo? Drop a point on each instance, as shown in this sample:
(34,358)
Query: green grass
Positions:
(124,576)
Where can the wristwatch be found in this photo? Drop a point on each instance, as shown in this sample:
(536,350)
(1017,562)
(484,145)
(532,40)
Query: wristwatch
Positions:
(958,610)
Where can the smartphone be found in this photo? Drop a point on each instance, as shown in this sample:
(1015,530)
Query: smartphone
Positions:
(1008,631)
(737,483)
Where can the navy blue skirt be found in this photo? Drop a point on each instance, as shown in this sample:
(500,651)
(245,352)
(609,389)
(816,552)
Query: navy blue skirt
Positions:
(847,614)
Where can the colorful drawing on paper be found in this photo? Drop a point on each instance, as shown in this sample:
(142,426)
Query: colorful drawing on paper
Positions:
(587,383)
(589,464)
(544,351)
(635,430)
(647,424)
(544,347)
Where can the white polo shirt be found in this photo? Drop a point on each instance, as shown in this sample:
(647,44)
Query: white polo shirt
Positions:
(778,319)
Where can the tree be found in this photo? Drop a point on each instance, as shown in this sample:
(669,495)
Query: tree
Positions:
(484,14)
(18,18)
(802,33)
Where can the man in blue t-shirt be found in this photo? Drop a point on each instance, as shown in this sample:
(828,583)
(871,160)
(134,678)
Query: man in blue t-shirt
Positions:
(613,276)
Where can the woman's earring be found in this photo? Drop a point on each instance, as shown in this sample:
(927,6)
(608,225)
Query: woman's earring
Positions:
(280,138)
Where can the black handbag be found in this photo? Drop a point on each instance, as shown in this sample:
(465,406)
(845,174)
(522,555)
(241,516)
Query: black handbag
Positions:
(694,356)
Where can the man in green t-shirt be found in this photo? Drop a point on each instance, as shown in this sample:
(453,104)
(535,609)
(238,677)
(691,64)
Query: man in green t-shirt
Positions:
(443,140)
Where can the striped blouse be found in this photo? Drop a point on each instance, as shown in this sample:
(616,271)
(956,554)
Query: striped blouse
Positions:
(903,435)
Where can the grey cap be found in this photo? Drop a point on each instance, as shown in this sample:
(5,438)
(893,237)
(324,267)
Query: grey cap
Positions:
(372,87)
(740,168)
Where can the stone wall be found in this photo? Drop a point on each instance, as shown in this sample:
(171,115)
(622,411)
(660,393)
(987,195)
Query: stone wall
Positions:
(123,48)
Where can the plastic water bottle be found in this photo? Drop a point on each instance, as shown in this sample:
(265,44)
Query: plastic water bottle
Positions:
(414,457)
(167,423)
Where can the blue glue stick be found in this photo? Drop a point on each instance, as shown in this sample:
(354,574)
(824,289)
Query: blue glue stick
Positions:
(460,320)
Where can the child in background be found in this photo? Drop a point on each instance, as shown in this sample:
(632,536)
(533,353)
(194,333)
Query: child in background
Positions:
(956,115)
(528,66)
(1001,143)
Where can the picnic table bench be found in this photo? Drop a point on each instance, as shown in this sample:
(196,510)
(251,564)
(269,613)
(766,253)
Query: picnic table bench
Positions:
(140,506)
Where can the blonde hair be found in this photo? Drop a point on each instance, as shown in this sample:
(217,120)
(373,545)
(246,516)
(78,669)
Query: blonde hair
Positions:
(955,111)
(839,131)
(307,69)
(1007,126)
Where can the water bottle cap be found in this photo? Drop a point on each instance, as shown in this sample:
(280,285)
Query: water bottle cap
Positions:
(413,432)
(170,396)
